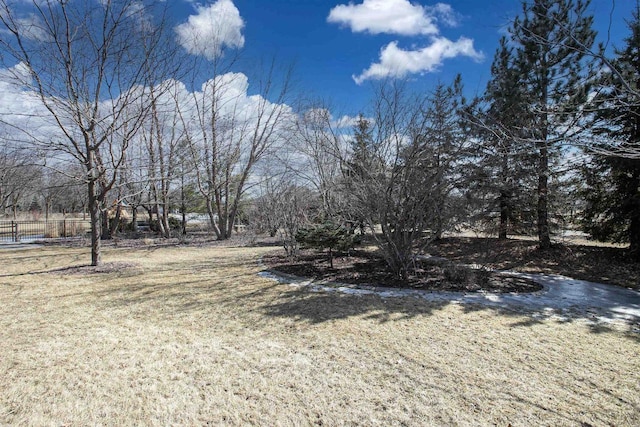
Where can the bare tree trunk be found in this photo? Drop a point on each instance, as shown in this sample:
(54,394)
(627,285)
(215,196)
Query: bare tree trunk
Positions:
(504,215)
(134,219)
(183,203)
(115,226)
(544,237)
(634,238)
(94,217)
(86,67)
(165,206)
(105,232)
(165,222)
(159,219)
(212,219)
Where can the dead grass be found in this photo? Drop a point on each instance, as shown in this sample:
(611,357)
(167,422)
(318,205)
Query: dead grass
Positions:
(191,336)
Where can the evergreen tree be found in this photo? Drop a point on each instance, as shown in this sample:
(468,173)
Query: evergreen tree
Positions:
(551,37)
(358,168)
(613,182)
(500,170)
(362,144)
(442,145)
(328,235)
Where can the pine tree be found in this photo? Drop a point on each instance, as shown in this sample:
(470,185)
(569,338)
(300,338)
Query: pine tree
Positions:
(441,147)
(329,235)
(500,170)
(359,167)
(613,182)
(551,36)
(362,141)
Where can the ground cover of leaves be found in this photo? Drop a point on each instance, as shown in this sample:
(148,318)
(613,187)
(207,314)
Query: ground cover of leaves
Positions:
(583,261)
(367,267)
(190,335)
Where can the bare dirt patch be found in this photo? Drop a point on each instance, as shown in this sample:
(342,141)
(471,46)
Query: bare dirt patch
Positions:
(368,268)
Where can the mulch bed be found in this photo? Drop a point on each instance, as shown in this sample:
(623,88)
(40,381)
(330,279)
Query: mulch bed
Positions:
(369,268)
(601,264)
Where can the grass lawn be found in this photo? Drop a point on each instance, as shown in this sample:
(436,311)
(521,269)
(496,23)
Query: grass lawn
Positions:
(191,336)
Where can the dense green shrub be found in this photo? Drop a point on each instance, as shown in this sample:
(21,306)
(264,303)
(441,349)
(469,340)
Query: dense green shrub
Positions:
(175,224)
(328,235)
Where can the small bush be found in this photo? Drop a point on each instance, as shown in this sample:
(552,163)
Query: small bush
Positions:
(124,226)
(175,224)
(457,274)
(483,276)
(330,236)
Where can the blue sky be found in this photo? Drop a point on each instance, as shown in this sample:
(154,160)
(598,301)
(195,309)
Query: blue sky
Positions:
(330,52)
(341,48)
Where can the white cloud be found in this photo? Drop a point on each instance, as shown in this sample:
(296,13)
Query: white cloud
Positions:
(213,28)
(24,119)
(397,62)
(392,17)
(405,18)
(321,117)
(22,115)
(349,122)
(444,13)
(345,122)
(30,27)
(317,116)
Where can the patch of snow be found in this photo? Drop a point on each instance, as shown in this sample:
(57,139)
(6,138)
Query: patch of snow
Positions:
(605,302)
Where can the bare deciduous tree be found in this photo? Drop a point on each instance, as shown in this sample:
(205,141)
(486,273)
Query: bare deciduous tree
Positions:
(315,156)
(17,175)
(228,133)
(397,185)
(162,133)
(86,62)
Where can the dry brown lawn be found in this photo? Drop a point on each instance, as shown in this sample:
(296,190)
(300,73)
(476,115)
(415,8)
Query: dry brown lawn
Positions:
(191,336)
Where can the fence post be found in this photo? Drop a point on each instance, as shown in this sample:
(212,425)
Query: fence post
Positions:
(15,231)
(64,228)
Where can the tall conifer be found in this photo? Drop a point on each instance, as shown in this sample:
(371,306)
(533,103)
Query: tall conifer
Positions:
(550,37)
(613,181)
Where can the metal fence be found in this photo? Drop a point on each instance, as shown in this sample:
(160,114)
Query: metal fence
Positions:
(25,231)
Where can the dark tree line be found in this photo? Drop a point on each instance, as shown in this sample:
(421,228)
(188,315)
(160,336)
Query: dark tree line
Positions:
(535,106)
(554,96)
(612,189)
(420,165)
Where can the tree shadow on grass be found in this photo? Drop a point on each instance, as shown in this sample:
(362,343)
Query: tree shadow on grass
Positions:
(597,323)
(304,305)
(192,289)
(243,291)
(322,303)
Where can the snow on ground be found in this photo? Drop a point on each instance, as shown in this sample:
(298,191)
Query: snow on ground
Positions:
(563,294)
